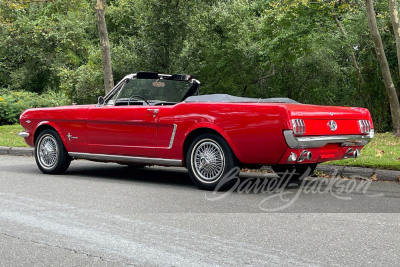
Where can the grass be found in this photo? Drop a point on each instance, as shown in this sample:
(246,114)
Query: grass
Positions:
(9,137)
(383,152)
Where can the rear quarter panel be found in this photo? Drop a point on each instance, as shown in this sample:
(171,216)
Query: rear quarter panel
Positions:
(254,132)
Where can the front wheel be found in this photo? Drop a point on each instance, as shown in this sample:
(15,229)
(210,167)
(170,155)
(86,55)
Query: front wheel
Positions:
(210,162)
(50,153)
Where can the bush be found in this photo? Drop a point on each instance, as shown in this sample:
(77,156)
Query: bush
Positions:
(83,85)
(13,103)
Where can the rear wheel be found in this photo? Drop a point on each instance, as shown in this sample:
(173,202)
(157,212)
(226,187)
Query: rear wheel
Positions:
(50,153)
(209,161)
(294,172)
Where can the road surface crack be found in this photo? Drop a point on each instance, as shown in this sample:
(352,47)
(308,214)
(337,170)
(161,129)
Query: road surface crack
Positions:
(66,248)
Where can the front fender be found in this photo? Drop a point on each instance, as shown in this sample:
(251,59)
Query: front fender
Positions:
(40,126)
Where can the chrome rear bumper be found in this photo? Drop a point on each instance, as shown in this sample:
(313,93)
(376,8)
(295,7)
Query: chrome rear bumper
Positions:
(320,141)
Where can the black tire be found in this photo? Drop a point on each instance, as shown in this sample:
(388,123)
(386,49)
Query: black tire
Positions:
(209,170)
(50,153)
(295,171)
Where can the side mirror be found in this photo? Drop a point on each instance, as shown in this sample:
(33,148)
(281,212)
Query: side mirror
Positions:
(100,101)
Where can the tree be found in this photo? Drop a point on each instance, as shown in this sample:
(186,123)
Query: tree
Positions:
(39,38)
(162,30)
(317,51)
(394,18)
(352,55)
(309,57)
(221,49)
(384,66)
(105,45)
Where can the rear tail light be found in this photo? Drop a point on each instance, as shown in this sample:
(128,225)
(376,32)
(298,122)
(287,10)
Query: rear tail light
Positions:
(365,126)
(299,127)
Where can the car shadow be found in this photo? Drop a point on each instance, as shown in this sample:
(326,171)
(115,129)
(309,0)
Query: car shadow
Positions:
(174,176)
(179,177)
(155,175)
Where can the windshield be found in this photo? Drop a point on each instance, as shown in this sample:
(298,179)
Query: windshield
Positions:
(138,91)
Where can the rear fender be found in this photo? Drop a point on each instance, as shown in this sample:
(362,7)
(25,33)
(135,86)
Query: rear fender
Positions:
(216,129)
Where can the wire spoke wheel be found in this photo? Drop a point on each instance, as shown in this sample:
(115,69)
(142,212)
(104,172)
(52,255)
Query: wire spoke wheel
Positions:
(48,151)
(208,160)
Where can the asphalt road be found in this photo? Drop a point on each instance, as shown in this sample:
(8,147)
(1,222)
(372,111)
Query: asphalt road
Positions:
(109,215)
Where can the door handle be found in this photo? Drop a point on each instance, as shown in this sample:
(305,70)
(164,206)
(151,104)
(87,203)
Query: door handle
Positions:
(155,111)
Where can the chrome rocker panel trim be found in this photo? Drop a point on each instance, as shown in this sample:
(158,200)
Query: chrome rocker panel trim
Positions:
(320,141)
(23,134)
(127,159)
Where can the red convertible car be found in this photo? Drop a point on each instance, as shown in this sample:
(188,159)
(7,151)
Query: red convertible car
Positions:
(159,119)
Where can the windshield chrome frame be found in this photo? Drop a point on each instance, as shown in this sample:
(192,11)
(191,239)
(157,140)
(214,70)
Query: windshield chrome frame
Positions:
(117,88)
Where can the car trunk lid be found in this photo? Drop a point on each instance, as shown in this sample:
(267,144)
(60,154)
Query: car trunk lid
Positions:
(328,120)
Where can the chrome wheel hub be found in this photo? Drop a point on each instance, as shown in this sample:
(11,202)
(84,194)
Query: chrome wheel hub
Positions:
(47,151)
(208,161)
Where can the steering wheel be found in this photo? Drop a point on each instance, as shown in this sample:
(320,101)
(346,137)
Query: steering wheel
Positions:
(137,96)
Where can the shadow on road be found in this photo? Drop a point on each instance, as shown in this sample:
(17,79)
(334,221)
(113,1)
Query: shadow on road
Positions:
(151,175)
(159,175)
(179,177)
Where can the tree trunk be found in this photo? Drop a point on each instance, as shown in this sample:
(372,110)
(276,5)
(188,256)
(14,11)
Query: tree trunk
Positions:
(387,77)
(394,18)
(105,45)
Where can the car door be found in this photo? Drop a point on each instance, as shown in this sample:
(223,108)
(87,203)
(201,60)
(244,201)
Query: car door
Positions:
(122,130)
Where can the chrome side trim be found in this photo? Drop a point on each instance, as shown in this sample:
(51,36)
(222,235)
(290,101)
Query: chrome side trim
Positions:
(171,142)
(320,141)
(117,158)
(23,134)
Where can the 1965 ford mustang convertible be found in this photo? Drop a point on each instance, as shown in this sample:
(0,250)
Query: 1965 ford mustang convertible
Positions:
(159,119)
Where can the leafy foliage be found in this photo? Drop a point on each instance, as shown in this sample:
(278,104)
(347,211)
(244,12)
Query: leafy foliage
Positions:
(255,48)
(12,104)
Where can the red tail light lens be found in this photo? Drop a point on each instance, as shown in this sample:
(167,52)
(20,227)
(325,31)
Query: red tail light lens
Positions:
(365,126)
(299,127)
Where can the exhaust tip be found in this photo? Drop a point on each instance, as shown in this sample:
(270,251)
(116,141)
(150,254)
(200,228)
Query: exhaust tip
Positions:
(292,157)
(305,155)
(352,153)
